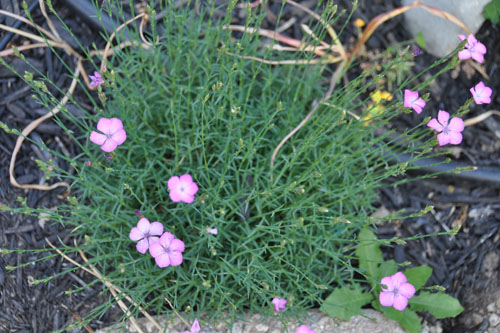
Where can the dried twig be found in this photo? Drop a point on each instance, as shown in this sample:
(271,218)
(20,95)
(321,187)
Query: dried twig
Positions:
(108,44)
(34,124)
(378,20)
(25,20)
(333,82)
(175,311)
(77,317)
(300,46)
(325,24)
(48,20)
(482,117)
(286,62)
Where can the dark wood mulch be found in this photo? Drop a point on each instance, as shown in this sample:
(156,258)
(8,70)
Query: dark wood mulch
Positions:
(467,265)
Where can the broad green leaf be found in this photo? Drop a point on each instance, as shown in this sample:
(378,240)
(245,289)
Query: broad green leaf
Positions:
(345,303)
(387,268)
(492,11)
(369,253)
(407,318)
(418,276)
(440,305)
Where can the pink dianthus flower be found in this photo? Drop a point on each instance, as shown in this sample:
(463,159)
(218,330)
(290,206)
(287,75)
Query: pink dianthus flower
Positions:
(450,132)
(279,304)
(146,233)
(114,134)
(473,49)
(212,231)
(182,188)
(167,250)
(96,79)
(481,93)
(412,101)
(397,293)
(304,329)
(195,328)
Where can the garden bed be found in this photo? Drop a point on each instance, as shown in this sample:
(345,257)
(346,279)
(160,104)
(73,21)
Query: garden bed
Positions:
(466,265)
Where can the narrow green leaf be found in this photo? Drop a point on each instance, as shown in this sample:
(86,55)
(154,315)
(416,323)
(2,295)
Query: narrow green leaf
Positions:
(421,40)
(418,276)
(344,303)
(369,253)
(440,305)
(407,318)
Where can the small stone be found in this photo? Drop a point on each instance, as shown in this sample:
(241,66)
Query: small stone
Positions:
(440,44)
(477,319)
(494,320)
(261,328)
(491,307)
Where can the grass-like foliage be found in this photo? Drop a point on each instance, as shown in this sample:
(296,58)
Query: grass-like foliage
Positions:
(189,106)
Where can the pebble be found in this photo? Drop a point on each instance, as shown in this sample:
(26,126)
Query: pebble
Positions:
(477,319)
(418,20)
(491,307)
(494,320)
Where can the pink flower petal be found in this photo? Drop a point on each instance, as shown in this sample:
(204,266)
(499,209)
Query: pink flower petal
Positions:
(388,282)
(398,279)
(177,245)
(153,240)
(109,146)
(478,57)
(464,54)
(175,258)
(115,125)
(175,195)
(462,37)
(119,137)
(97,138)
(479,47)
(186,197)
(156,228)
(420,102)
(166,239)
(155,249)
(195,328)
(386,298)
(455,138)
(142,246)
(400,302)
(173,182)
(417,108)
(304,329)
(443,139)
(186,178)
(407,290)
(104,125)
(471,39)
(410,97)
(163,260)
(456,124)
(135,234)
(433,123)
(192,188)
(143,225)
(443,117)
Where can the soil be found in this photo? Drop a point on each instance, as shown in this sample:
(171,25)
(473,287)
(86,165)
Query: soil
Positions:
(466,265)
